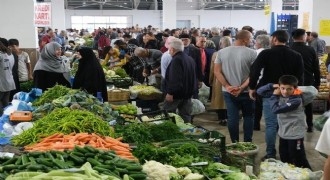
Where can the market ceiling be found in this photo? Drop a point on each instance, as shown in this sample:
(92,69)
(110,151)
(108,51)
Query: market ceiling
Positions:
(181,4)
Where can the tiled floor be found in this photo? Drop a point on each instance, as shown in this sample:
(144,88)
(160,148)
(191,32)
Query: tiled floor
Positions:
(209,121)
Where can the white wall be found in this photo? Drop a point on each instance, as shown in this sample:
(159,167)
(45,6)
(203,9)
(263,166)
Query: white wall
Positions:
(321,12)
(198,18)
(17,22)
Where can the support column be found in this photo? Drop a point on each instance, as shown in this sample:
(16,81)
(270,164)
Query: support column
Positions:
(169,14)
(275,8)
(58,15)
(17,22)
(305,14)
(321,19)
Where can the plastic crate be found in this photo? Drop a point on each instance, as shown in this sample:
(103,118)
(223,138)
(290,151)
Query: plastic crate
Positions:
(120,82)
(147,105)
(160,115)
(210,135)
(319,105)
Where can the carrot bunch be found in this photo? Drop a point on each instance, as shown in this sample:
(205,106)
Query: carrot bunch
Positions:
(60,142)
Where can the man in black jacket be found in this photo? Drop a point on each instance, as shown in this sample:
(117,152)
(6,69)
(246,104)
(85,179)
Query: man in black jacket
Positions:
(311,69)
(277,61)
(195,54)
(180,80)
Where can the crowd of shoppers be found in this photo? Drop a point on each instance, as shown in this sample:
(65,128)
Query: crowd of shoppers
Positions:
(234,63)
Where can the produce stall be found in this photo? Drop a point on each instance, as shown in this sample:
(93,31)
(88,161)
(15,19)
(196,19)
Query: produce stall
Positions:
(73,135)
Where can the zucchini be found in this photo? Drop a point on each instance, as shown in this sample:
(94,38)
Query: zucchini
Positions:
(100,169)
(60,157)
(25,159)
(93,162)
(35,167)
(76,159)
(111,174)
(91,149)
(10,161)
(49,155)
(57,152)
(32,160)
(19,161)
(122,165)
(35,154)
(22,167)
(108,167)
(134,168)
(9,167)
(90,154)
(80,149)
(121,171)
(60,164)
(138,176)
(109,162)
(45,162)
(106,157)
(79,154)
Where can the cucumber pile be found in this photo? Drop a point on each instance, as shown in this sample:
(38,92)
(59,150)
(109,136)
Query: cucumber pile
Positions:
(105,162)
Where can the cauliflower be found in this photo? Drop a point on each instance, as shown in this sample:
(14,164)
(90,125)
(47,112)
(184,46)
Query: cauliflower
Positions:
(159,171)
(194,176)
(183,171)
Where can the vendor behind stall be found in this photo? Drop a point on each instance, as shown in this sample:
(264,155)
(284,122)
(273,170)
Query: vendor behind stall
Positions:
(90,75)
(50,68)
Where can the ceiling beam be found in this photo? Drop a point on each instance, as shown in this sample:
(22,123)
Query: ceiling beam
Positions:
(204,4)
(136,3)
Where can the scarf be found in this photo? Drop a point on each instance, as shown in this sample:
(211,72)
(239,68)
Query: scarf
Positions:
(48,61)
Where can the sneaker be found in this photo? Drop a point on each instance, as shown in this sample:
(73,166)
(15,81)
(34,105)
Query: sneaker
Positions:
(310,129)
(223,122)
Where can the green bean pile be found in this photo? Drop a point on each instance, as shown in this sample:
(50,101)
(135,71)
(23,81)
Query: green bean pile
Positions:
(51,94)
(66,121)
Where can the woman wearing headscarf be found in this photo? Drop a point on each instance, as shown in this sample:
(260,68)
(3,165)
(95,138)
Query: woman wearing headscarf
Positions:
(7,82)
(90,75)
(50,69)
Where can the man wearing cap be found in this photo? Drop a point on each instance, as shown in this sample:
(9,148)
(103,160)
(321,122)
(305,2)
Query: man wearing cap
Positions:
(311,69)
(194,53)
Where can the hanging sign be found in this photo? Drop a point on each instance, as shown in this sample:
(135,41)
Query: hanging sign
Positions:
(42,14)
(306,21)
(267,10)
(325,27)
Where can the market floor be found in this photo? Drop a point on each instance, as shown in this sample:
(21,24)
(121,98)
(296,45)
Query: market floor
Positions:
(209,121)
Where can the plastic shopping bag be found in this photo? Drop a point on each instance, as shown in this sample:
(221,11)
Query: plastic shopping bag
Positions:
(204,93)
(197,107)
(321,120)
(309,93)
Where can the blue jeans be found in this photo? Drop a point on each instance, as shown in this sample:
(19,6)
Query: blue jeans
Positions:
(234,104)
(271,128)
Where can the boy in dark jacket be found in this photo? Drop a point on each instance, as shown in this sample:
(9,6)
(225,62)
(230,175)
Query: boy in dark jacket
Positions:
(286,101)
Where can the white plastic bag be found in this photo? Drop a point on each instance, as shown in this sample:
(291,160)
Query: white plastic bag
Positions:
(197,107)
(204,93)
(309,93)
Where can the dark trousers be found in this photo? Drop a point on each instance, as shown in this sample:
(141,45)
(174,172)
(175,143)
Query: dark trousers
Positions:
(184,106)
(4,100)
(222,114)
(257,111)
(309,114)
(293,152)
